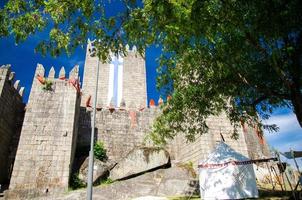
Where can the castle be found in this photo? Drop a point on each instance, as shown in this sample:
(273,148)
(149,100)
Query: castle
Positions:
(40,141)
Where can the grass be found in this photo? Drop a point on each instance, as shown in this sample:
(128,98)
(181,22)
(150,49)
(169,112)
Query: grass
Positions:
(194,197)
(266,192)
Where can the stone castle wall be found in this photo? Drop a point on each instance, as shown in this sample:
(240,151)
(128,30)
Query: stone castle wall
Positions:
(255,141)
(11,118)
(204,144)
(47,143)
(120,130)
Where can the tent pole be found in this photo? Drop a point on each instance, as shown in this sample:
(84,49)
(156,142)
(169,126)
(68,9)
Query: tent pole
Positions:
(295,161)
(293,155)
(283,170)
(277,177)
(283,180)
(290,185)
(270,174)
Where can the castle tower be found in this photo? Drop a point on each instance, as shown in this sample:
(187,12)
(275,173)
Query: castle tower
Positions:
(11,118)
(46,148)
(121,81)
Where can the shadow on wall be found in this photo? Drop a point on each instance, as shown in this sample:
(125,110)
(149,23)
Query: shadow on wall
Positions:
(16,139)
(82,151)
(11,120)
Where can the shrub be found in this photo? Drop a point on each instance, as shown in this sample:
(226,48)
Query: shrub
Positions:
(100,151)
(76,182)
(188,166)
(47,85)
(107,181)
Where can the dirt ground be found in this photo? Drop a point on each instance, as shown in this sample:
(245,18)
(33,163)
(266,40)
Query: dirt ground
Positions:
(266,192)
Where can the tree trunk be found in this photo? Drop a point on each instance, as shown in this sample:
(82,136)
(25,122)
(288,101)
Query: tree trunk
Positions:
(296,98)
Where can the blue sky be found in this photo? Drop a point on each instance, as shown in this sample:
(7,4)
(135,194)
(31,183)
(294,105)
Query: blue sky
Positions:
(289,135)
(24,60)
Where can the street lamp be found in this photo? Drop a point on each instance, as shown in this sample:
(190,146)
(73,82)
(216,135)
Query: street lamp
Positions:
(92,52)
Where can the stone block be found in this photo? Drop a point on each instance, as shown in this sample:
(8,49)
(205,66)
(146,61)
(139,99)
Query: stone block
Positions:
(139,160)
(100,169)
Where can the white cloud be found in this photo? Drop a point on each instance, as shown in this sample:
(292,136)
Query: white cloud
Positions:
(288,128)
(286,122)
(288,137)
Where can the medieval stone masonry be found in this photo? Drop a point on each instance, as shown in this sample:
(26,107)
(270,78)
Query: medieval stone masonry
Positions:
(123,81)
(57,124)
(11,117)
(47,142)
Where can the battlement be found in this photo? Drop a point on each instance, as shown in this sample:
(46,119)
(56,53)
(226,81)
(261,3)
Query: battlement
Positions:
(122,81)
(53,82)
(91,48)
(131,50)
(11,119)
(7,77)
(74,73)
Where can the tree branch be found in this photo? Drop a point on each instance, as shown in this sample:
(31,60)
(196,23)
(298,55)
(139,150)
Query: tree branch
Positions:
(259,100)
(275,66)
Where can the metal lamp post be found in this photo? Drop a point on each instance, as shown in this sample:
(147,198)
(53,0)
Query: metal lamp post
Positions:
(92,53)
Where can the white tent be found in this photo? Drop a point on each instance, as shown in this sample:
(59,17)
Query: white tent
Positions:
(227,174)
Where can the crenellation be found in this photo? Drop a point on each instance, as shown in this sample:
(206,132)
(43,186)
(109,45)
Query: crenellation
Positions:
(11,118)
(134,49)
(40,70)
(62,73)
(11,76)
(21,91)
(51,73)
(74,73)
(127,47)
(17,85)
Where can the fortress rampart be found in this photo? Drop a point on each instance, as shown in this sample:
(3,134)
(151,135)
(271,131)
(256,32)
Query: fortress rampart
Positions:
(11,118)
(47,144)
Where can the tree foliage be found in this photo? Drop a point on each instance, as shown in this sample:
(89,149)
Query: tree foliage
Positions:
(240,57)
(237,56)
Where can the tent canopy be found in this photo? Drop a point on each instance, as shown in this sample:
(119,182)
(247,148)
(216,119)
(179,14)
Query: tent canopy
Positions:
(222,178)
(292,154)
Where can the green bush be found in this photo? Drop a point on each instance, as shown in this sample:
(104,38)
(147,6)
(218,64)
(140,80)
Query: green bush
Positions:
(107,181)
(47,85)
(100,151)
(188,166)
(76,182)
